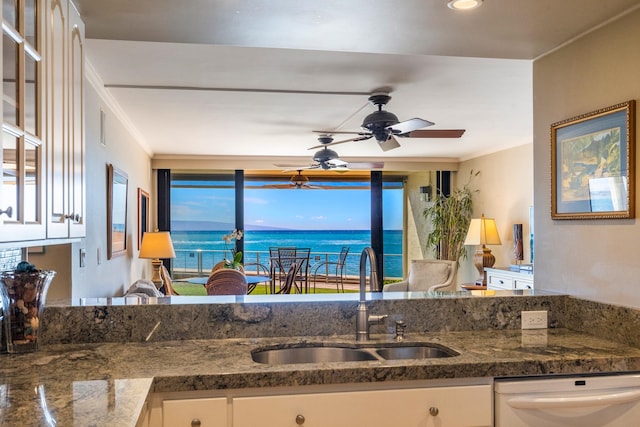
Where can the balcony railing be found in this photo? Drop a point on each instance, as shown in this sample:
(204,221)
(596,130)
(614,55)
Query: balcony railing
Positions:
(190,263)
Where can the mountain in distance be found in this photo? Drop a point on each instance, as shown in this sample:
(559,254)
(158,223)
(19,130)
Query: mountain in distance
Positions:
(214,226)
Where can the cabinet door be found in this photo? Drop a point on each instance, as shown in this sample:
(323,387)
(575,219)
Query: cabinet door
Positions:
(21,168)
(195,413)
(57,156)
(65,121)
(439,406)
(76,173)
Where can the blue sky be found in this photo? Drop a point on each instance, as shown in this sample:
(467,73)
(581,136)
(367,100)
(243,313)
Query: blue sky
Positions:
(300,209)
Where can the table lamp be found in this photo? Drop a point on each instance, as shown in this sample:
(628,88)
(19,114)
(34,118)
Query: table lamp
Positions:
(156,245)
(483,231)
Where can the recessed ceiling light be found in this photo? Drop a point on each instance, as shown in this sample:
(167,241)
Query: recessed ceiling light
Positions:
(464,4)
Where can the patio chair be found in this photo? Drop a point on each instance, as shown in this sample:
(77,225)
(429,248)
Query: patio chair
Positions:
(426,275)
(227,281)
(260,270)
(220,265)
(337,272)
(291,255)
(288,284)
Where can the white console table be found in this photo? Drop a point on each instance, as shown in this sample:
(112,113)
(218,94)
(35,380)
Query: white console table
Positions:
(505,278)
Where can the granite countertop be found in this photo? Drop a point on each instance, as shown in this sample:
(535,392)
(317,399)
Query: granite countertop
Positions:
(106,384)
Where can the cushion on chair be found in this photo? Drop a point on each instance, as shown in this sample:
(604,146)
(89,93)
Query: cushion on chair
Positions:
(424,274)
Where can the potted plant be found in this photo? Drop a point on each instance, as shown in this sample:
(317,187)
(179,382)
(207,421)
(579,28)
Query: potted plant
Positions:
(450,217)
(236,259)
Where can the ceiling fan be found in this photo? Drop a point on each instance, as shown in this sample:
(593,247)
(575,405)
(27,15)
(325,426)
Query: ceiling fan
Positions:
(385,127)
(297,181)
(328,159)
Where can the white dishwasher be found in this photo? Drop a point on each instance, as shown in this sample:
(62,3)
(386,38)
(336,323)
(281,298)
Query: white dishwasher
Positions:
(611,400)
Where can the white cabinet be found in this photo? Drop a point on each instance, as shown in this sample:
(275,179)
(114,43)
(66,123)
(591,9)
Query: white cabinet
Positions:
(437,406)
(22,215)
(506,279)
(65,121)
(335,406)
(195,413)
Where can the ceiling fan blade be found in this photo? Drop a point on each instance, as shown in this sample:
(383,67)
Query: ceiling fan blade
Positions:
(409,126)
(337,132)
(336,162)
(435,133)
(362,137)
(278,186)
(390,144)
(291,168)
(366,165)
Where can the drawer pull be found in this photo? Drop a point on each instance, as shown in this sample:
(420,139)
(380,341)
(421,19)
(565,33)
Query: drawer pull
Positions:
(300,419)
(433,411)
(196,422)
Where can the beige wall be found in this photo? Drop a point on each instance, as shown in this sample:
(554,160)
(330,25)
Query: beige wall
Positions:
(594,259)
(505,185)
(111,277)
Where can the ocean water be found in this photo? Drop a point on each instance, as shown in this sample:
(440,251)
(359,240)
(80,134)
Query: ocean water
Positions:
(200,250)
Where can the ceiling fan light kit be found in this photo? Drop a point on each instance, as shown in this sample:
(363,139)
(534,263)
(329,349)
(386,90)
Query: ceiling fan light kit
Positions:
(464,4)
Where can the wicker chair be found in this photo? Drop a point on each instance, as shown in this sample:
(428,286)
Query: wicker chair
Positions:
(227,281)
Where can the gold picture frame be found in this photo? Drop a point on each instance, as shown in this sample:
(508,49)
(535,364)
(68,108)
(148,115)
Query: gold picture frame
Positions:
(117,186)
(593,164)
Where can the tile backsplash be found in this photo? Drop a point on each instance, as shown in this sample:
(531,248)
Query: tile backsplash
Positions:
(9,258)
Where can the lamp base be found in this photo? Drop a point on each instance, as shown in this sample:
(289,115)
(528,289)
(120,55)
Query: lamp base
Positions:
(483,258)
(155,275)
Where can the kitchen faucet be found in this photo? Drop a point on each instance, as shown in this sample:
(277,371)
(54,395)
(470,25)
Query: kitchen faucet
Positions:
(363,319)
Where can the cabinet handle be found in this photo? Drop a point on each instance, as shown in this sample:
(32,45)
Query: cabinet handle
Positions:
(8,211)
(195,422)
(72,217)
(300,419)
(502,282)
(433,411)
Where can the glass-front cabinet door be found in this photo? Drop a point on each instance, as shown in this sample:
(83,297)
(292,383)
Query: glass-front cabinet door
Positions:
(21,190)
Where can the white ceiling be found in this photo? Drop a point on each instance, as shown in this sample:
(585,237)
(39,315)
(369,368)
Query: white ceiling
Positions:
(164,63)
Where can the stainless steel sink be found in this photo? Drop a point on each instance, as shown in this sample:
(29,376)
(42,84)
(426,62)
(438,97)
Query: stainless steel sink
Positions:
(319,353)
(281,356)
(415,352)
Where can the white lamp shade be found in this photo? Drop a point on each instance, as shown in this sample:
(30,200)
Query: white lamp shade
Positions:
(156,244)
(483,231)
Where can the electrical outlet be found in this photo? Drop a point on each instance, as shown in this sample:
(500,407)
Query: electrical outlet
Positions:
(534,319)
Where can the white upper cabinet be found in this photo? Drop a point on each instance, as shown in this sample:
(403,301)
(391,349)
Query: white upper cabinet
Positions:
(22,196)
(65,121)
(42,192)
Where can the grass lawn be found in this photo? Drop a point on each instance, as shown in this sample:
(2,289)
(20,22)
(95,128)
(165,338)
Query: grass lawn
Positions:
(190,289)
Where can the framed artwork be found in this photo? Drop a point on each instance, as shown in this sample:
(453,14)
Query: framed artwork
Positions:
(143,214)
(117,183)
(593,165)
